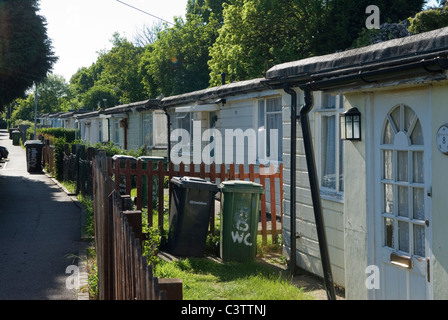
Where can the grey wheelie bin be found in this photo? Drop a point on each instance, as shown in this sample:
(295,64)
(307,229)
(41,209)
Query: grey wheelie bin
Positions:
(34,156)
(190,210)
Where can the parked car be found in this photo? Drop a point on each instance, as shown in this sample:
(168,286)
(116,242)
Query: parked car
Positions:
(3,152)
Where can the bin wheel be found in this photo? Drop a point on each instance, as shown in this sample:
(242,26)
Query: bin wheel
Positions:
(163,243)
(217,251)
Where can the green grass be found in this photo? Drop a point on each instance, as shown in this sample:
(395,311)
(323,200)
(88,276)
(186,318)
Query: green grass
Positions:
(204,279)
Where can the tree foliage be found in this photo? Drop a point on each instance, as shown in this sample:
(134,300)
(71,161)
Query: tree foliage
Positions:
(258,34)
(429,20)
(114,78)
(26,54)
(242,38)
(54,95)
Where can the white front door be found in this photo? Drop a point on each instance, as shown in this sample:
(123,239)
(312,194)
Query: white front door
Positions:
(402,208)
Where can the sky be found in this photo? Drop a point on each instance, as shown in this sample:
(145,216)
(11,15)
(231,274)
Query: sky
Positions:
(79,29)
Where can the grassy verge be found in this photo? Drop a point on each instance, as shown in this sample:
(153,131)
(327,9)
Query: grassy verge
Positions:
(205,278)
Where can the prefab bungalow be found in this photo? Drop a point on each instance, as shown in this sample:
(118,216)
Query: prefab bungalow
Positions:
(139,124)
(389,145)
(243,108)
(68,119)
(222,124)
(93,127)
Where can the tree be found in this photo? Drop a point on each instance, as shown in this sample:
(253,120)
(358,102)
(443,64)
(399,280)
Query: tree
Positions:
(115,74)
(53,96)
(177,62)
(429,20)
(26,54)
(258,34)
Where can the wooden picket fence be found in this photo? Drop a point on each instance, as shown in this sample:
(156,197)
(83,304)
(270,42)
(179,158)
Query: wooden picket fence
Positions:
(128,172)
(123,271)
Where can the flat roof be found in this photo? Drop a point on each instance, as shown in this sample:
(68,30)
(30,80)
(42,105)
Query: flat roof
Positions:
(380,56)
(152,104)
(217,92)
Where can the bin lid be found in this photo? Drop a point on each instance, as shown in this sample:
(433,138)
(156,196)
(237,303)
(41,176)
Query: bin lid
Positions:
(151,158)
(123,156)
(194,183)
(33,142)
(241,186)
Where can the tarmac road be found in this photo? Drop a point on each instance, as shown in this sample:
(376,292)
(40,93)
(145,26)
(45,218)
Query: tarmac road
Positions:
(40,232)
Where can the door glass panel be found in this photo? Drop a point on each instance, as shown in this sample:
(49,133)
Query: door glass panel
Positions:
(403,234)
(389,134)
(388,164)
(389,232)
(389,198)
(417,135)
(403,202)
(419,204)
(395,115)
(419,240)
(402,163)
(418,167)
(409,115)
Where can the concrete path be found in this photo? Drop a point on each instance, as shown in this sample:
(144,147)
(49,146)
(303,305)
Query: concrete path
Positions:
(40,232)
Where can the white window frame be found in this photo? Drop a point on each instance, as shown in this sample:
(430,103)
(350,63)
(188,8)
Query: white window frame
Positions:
(260,126)
(326,109)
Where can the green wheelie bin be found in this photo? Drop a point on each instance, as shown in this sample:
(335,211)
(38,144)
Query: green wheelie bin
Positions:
(155,164)
(239,226)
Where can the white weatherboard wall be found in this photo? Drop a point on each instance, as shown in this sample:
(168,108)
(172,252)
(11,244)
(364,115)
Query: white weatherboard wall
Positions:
(308,254)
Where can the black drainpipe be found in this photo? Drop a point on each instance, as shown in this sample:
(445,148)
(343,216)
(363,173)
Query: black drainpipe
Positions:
(314,184)
(168,120)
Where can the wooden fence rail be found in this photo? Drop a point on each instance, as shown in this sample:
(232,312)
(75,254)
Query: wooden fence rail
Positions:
(127,174)
(126,171)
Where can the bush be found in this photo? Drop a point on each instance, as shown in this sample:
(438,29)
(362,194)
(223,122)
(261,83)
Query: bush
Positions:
(54,133)
(59,157)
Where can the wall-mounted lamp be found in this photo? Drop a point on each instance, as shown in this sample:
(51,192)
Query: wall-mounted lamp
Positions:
(351,125)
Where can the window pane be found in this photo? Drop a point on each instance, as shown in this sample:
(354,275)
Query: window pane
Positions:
(396,118)
(408,117)
(329,152)
(388,165)
(389,232)
(403,234)
(419,204)
(403,201)
(388,198)
(417,135)
(419,240)
(402,164)
(329,102)
(418,167)
(261,113)
(389,134)
(274,105)
(274,122)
